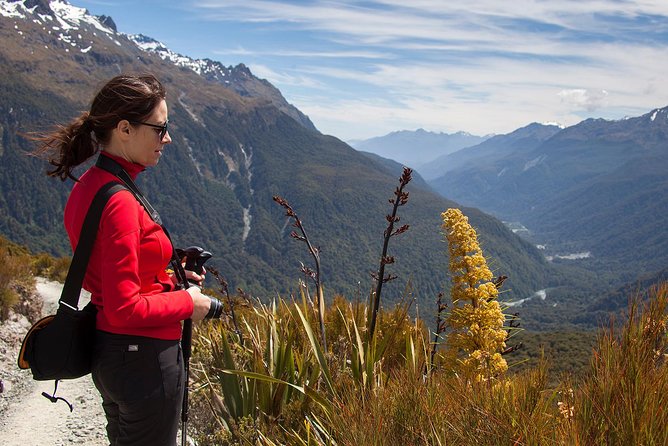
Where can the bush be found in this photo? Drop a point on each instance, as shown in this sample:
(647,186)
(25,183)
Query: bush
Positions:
(44,265)
(14,277)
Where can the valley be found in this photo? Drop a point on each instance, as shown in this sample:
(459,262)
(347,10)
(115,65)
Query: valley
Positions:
(585,201)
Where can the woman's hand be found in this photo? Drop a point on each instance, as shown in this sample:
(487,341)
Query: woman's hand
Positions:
(193,277)
(201,303)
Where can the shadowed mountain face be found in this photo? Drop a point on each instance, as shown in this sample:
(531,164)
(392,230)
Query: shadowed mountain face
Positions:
(236,143)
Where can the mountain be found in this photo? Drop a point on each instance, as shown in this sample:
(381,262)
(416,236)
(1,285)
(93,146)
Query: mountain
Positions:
(617,302)
(396,169)
(597,191)
(238,78)
(487,153)
(417,148)
(236,143)
(487,165)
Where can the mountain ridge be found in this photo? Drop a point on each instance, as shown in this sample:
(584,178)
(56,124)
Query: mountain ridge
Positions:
(418,148)
(64,17)
(598,187)
(230,155)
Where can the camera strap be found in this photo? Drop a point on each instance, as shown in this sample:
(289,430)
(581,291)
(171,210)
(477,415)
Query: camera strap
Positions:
(113,167)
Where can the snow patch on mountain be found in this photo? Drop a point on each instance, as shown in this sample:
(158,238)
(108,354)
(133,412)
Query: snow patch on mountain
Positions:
(11,9)
(71,17)
(247,223)
(534,162)
(555,124)
(203,67)
(61,19)
(68,20)
(656,113)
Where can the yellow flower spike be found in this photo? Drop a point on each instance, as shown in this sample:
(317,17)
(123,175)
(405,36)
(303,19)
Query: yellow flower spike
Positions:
(476,336)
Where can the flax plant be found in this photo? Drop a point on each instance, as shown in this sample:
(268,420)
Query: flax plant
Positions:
(315,253)
(476,337)
(258,380)
(400,199)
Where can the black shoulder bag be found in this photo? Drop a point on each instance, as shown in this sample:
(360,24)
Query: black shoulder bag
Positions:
(60,346)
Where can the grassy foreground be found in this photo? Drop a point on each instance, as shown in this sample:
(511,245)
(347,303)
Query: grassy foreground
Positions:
(299,372)
(269,383)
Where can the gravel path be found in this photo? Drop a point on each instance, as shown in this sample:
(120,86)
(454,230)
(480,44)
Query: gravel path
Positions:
(26,417)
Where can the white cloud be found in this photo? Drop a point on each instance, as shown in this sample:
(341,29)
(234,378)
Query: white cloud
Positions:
(276,78)
(590,100)
(481,66)
(307,54)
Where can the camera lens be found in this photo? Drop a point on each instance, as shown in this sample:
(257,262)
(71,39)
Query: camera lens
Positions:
(216,309)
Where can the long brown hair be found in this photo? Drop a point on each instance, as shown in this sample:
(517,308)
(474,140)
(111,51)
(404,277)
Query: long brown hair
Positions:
(124,97)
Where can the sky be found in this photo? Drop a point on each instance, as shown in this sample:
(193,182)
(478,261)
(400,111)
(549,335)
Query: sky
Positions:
(361,69)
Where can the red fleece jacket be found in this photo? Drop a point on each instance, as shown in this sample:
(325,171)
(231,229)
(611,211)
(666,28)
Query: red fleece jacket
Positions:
(126,273)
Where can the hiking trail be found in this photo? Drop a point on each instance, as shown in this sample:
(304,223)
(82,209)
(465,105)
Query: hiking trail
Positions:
(27,417)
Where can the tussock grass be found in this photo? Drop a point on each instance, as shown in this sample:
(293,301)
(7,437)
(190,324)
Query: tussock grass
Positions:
(299,372)
(622,399)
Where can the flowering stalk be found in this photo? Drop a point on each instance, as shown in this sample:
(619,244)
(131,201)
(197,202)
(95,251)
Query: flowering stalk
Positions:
(401,198)
(477,337)
(224,289)
(315,253)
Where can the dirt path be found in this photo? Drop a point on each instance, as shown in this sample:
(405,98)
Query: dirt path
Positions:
(26,417)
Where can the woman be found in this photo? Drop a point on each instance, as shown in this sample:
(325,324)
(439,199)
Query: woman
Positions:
(137,364)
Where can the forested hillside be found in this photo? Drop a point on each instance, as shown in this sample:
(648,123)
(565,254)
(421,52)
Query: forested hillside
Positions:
(230,155)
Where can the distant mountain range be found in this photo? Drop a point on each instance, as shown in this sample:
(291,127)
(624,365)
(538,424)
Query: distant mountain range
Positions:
(236,143)
(596,191)
(593,197)
(419,148)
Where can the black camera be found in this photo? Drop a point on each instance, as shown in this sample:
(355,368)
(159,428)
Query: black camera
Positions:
(195,259)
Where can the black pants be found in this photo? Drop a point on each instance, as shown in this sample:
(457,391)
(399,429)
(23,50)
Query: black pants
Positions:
(141,381)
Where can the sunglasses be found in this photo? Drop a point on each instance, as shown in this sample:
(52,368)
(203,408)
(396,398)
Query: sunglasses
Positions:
(161,130)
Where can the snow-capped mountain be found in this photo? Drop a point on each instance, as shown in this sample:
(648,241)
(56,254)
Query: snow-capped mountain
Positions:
(81,31)
(238,78)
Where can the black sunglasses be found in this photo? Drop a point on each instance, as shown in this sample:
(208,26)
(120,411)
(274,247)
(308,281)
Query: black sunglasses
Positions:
(162,128)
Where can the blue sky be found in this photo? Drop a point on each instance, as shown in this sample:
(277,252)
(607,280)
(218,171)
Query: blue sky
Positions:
(366,68)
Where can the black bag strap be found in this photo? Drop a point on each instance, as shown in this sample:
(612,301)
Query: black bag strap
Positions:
(75,275)
(111,166)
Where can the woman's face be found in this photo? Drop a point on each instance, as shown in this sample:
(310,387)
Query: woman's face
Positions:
(147,147)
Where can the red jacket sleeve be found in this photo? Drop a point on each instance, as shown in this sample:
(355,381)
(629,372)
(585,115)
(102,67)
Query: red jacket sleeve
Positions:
(134,252)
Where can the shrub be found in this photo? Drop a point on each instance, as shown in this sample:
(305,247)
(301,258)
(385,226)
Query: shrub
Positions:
(14,277)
